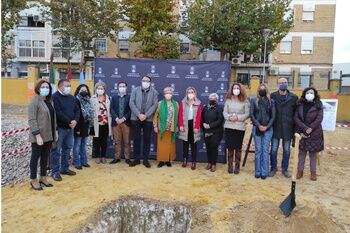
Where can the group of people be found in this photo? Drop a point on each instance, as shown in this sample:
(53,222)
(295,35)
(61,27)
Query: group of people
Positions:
(60,122)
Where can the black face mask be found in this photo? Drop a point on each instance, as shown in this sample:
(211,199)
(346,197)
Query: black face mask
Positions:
(212,102)
(262,92)
(83,93)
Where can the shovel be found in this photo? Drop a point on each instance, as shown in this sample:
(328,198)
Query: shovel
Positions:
(289,204)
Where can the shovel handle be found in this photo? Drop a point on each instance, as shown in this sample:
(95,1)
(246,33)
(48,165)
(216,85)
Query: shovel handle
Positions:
(295,156)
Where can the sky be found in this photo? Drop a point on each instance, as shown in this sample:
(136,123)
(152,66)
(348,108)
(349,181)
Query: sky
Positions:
(342,32)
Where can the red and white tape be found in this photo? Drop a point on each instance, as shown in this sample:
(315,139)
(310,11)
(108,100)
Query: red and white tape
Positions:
(337,148)
(13,132)
(343,126)
(14,152)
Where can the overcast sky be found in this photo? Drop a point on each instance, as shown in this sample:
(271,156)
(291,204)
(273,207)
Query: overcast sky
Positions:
(342,32)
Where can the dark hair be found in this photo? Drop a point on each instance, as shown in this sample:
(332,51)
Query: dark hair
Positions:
(37,88)
(146,76)
(79,87)
(122,82)
(61,81)
(317,99)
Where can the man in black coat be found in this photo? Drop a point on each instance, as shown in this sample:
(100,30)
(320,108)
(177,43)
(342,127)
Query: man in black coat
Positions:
(120,111)
(283,127)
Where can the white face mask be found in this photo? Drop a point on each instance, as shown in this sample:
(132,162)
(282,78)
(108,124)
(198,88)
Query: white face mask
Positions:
(168,96)
(309,97)
(236,92)
(190,96)
(66,90)
(100,91)
(145,85)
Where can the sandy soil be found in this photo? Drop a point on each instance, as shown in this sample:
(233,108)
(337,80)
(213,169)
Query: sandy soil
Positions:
(221,202)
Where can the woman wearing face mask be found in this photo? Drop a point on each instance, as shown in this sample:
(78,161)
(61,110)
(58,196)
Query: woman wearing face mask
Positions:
(262,113)
(81,131)
(42,123)
(189,123)
(212,126)
(236,111)
(308,120)
(165,125)
(102,122)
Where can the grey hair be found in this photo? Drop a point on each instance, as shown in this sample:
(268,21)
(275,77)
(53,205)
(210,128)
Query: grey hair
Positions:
(214,95)
(100,83)
(168,88)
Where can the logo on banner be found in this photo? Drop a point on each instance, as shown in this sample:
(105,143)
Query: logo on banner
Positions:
(153,69)
(133,73)
(206,91)
(175,93)
(203,149)
(153,73)
(222,88)
(173,73)
(133,86)
(116,74)
(99,74)
(223,77)
(221,99)
(192,75)
(207,76)
(220,150)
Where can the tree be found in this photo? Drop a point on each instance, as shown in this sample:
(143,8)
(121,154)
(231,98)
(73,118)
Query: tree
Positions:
(153,22)
(79,22)
(235,26)
(9,19)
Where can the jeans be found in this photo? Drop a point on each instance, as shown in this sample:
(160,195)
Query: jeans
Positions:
(62,151)
(286,154)
(147,128)
(42,152)
(79,151)
(262,152)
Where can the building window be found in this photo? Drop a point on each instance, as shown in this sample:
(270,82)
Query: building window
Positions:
(38,48)
(307,45)
(184,47)
(101,45)
(123,45)
(243,78)
(25,48)
(286,47)
(308,12)
(23,22)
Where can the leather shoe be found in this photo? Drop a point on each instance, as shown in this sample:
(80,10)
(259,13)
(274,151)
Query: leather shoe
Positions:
(134,163)
(160,164)
(146,163)
(86,165)
(128,161)
(168,164)
(114,161)
(69,173)
(286,174)
(57,177)
(79,167)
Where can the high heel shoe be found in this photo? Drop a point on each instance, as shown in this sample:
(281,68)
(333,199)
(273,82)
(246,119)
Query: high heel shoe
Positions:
(184,162)
(36,188)
(193,167)
(46,185)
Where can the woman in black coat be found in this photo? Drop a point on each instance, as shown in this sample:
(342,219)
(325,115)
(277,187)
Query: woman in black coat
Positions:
(308,121)
(81,131)
(212,119)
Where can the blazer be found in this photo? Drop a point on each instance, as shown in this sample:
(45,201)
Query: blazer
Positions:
(114,109)
(136,103)
(214,117)
(39,120)
(96,108)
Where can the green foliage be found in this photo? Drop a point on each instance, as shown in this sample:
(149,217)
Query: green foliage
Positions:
(9,19)
(152,21)
(234,26)
(82,21)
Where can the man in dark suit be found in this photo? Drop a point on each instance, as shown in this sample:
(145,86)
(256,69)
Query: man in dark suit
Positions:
(120,111)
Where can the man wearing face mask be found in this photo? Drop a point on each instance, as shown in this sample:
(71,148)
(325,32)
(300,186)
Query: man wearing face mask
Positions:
(120,111)
(143,104)
(283,127)
(67,114)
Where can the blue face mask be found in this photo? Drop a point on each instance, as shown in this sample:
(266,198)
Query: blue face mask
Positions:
(283,87)
(44,91)
(122,90)
(66,90)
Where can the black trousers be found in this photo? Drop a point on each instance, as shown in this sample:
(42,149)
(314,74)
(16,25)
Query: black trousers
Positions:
(190,142)
(42,152)
(146,127)
(212,143)
(100,142)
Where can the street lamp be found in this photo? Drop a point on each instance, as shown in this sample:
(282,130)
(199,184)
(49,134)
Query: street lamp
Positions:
(266,33)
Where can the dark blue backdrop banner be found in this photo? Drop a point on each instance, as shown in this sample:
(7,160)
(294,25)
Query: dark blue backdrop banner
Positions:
(206,77)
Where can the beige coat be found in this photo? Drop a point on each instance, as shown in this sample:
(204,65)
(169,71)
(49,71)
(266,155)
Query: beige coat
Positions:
(96,107)
(39,119)
(241,109)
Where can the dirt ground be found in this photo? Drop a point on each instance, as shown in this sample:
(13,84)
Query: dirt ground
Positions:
(221,202)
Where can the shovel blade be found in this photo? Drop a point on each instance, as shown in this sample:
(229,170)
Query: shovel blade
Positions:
(288,204)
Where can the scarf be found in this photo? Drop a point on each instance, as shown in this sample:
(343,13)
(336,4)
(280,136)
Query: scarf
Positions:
(86,109)
(163,116)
